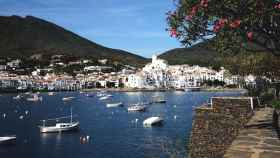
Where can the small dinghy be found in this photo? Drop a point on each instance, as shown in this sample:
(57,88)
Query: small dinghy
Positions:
(68,98)
(51,93)
(105,97)
(8,140)
(112,105)
(135,108)
(153,121)
(17,97)
(35,98)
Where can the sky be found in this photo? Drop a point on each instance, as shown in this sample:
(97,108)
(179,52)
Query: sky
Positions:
(137,26)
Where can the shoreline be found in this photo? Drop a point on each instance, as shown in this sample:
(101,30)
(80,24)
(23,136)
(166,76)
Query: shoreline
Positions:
(135,90)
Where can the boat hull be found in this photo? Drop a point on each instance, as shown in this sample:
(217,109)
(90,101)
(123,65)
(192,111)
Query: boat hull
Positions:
(114,105)
(7,140)
(54,129)
(153,121)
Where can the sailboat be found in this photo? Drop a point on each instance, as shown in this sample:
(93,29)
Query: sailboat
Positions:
(60,127)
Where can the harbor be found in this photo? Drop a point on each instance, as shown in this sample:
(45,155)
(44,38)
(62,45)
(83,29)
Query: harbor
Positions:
(103,131)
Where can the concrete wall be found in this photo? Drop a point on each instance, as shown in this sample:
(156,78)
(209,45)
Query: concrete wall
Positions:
(214,128)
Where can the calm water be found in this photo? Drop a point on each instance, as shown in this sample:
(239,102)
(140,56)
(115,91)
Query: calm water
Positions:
(113,131)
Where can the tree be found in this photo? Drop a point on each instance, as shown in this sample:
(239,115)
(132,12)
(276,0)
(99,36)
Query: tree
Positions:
(237,25)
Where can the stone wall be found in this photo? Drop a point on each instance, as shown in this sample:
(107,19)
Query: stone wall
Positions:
(214,128)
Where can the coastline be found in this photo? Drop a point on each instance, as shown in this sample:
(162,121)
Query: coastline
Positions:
(204,89)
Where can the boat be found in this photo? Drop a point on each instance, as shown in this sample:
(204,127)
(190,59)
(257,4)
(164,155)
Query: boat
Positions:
(135,108)
(159,100)
(192,89)
(90,95)
(111,105)
(68,98)
(60,127)
(35,98)
(156,120)
(17,97)
(105,97)
(8,140)
(51,93)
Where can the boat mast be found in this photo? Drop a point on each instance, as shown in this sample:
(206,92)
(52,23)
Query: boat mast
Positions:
(71,114)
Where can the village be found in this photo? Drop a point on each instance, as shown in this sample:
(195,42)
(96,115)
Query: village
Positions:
(157,74)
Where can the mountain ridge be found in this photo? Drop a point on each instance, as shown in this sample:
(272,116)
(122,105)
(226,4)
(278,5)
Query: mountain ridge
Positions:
(29,35)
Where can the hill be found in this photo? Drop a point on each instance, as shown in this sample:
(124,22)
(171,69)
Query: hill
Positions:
(26,36)
(200,54)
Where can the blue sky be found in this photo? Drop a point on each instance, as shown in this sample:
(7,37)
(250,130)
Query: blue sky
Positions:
(137,26)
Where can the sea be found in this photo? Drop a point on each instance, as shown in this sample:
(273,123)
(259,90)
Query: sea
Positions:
(110,132)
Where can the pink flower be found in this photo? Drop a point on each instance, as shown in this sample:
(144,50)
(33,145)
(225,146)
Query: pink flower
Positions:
(235,23)
(250,35)
(204,3)
(173,32)
(194,9)
(277,6)
(188,17)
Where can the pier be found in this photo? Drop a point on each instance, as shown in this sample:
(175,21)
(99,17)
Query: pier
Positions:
(259,138)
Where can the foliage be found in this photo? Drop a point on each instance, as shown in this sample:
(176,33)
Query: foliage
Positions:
(266,97)
(232,22)
(276,104)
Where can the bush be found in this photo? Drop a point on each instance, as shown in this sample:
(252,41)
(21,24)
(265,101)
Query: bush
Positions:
(266,97)
(276,104)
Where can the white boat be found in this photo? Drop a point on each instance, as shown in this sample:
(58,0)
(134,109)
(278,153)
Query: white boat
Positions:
(60,127)
(35,98)
(90,95)
(153,121)
(159,100)
(8,140)
(51,93)
(111,105)
(68,98)
(104,98)
(134,108)
(191,89)
(17,97)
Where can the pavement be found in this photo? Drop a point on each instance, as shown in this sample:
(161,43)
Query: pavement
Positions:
(259,139)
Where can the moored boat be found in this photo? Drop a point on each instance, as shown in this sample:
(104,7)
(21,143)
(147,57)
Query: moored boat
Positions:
(104,97)
(35,98)
(8,140)
(60,127)
(17,97)
(134,108)
(51,93)
(68,98)
(156,120)
(111,105)
(191,89)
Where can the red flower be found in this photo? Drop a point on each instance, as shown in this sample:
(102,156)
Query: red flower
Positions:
(188,17)
(250,35)
(277,6)
(204,3)
(194,9)
(235,23)
(173,32)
